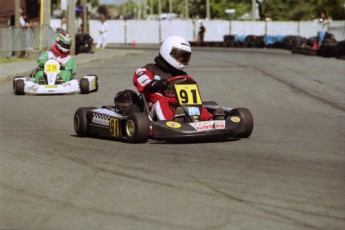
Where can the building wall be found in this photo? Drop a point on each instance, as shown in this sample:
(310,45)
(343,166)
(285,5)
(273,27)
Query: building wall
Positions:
(31,7)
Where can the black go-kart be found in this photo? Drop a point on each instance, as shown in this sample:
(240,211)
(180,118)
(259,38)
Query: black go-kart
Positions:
(130,118)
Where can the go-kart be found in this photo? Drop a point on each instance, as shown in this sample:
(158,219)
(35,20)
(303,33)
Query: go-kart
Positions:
(130,119)
(52,84)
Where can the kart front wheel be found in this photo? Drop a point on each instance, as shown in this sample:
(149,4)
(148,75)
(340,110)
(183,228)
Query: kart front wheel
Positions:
(19,87)
(248,121)
(84,86)
(80,122)
(137,128)
(96,83)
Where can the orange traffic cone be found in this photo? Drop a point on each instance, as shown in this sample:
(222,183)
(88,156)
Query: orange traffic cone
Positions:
(134,44)
(315,46)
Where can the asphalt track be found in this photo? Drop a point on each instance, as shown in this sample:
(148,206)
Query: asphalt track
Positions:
(290,174)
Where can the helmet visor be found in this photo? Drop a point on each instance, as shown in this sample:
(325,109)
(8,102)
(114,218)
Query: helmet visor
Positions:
(182,56)
(66,45)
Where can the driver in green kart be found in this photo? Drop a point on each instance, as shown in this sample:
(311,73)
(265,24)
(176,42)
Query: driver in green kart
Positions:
(61,53)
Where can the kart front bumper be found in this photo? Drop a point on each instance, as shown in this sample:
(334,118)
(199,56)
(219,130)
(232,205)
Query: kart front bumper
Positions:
(65,88)
(197,131)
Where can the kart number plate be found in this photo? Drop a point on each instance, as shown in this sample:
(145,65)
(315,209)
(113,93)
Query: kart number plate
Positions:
(50,86)
(51,68)
(114,127)
(188,94)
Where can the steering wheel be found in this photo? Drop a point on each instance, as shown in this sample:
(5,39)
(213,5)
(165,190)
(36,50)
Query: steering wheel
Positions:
(181,77)
(170,91)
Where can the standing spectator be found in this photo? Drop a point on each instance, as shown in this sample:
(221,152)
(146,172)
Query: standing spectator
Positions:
(11,24)
(201,34)
(324,21)
(26,25)
(102,30)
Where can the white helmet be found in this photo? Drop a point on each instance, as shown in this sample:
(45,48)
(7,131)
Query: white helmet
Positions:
(176,51)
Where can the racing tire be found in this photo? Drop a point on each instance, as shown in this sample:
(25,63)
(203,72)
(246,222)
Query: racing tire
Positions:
(96,79)
(84,86)
(80,122)
(132,108)
(97,85)
(247,119)
(137,128)
(19,87)
(14,82)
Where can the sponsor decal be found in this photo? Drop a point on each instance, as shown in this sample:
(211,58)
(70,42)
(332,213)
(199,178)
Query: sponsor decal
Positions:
(208,125)
(235,119)
(193,111)
(195,117)
(50,86)
(182,43)
(173,124)
(68,84)
(100,119)
(34,87)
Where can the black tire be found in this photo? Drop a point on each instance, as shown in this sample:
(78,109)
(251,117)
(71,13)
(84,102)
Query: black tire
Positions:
(14,82)
(132,108)
(137,128)
(84,86)
(248,121)
(19,87)
(80,122)
(97,85)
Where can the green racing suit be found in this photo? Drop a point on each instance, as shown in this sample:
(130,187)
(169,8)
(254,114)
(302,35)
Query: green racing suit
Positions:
(68,66)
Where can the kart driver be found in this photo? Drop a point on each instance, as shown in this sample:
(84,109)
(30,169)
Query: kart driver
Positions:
(151,80)
(60,52)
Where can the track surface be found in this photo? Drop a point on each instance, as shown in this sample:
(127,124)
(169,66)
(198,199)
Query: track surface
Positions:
(290,174)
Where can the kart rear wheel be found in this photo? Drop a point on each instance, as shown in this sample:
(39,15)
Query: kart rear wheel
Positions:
(137,128)
(80,122)
(248,120)
(19,87)
(84,86)
(14,82)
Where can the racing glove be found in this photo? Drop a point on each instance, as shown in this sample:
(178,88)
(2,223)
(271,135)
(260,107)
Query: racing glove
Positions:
(155,86)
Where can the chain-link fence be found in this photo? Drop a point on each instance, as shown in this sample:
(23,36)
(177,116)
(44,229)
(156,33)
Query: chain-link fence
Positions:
(32,40)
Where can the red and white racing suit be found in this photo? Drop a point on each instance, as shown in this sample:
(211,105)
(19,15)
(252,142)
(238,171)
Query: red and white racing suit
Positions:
(161,105)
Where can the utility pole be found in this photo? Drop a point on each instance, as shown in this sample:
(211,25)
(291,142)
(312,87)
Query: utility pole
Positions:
(208,12)
(159,7)
(16,13)
(44,22)
(151,7)
(187,9)
(71,23)
(46,13)
(253,10)
(85,19)
(145,9)
(170,6)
